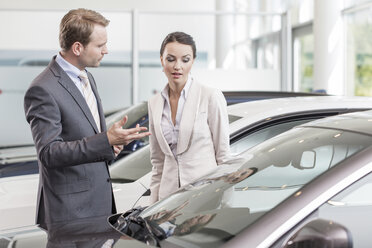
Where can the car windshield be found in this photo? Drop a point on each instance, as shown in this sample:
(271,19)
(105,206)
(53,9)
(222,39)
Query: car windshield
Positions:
(219,205)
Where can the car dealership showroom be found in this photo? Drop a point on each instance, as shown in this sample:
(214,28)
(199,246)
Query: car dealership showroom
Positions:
(186,123)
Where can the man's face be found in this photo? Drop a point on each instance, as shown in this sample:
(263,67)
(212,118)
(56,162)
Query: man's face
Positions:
(92,53)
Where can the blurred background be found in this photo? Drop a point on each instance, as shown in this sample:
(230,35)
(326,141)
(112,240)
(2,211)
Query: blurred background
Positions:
(242,45)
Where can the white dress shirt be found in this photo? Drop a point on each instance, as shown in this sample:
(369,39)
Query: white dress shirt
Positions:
(170,130)
(73,73)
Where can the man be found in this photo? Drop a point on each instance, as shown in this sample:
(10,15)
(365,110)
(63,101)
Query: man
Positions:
(67,122)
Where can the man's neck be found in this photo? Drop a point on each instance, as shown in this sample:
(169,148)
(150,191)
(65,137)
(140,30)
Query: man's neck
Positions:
(71,58)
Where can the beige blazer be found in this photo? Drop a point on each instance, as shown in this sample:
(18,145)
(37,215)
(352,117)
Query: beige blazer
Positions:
(203,141)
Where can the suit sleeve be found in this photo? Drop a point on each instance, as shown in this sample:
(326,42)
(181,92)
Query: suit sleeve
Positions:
(44,116)
(218,122)
(157,160)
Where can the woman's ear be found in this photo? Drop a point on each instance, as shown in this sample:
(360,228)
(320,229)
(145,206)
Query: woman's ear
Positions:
(161,61)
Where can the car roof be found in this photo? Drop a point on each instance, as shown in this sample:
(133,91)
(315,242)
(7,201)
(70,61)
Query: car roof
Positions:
(358,122)
(233,97)
(250,112)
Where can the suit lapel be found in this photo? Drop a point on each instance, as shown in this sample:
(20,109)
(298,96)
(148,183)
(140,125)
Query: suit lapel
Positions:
(188,117)
(67,83)
(157,115)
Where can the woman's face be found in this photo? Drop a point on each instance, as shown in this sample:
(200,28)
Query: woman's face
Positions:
(177,60)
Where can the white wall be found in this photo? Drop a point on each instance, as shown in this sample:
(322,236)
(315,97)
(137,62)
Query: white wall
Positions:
(113,5)
(34,24)
(114,93)
(114,88)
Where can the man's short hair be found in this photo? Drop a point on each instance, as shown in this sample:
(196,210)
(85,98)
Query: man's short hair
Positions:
(77,26)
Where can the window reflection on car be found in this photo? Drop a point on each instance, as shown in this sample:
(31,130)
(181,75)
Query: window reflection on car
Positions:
(254,138)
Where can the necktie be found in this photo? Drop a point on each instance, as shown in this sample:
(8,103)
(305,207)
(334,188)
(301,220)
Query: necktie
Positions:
(89,98)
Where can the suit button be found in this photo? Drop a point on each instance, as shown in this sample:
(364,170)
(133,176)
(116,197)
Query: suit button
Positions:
(108,179)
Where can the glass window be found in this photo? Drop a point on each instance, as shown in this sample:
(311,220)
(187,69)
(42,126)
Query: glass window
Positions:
(303,63)
(351,3)
(351,208)
(257,137)
(268,51)
(359,52)
(301,11)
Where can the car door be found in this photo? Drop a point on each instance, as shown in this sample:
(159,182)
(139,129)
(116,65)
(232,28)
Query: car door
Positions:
(344,220)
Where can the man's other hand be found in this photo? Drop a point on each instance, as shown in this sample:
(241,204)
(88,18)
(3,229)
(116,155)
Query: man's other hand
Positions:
(119,136)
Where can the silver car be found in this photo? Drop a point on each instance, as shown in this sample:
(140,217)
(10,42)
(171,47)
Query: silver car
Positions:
(308,187)
(250,124)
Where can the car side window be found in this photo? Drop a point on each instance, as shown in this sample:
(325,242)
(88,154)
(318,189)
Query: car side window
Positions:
(352,208)
(263,134)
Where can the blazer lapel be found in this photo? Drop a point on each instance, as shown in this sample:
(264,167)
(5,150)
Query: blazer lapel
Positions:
(67,83)
(190,110)
(157,116)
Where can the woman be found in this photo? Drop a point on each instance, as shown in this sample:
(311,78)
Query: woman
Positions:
(188,122)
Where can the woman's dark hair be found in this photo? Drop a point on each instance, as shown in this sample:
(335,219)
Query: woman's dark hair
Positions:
(179,37)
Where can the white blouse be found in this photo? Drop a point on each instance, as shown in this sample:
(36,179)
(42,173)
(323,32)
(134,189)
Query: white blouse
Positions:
(170,131)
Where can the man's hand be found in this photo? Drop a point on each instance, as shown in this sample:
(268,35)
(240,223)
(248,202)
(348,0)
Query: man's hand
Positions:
(118,149)
(119,136)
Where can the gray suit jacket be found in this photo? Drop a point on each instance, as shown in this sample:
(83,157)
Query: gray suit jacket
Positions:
(73,156)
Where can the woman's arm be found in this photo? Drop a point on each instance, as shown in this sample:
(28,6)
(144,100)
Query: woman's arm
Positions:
(157,161)
(218,122)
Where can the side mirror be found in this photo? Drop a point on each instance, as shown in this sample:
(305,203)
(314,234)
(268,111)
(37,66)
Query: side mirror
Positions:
(321,233)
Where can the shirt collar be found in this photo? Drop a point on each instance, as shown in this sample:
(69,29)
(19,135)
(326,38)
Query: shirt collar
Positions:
(184,92)
(70,69)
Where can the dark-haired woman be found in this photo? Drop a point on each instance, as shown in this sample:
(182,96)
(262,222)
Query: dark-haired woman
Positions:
(188,122)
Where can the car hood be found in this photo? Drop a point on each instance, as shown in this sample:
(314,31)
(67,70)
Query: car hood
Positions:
(91,232)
